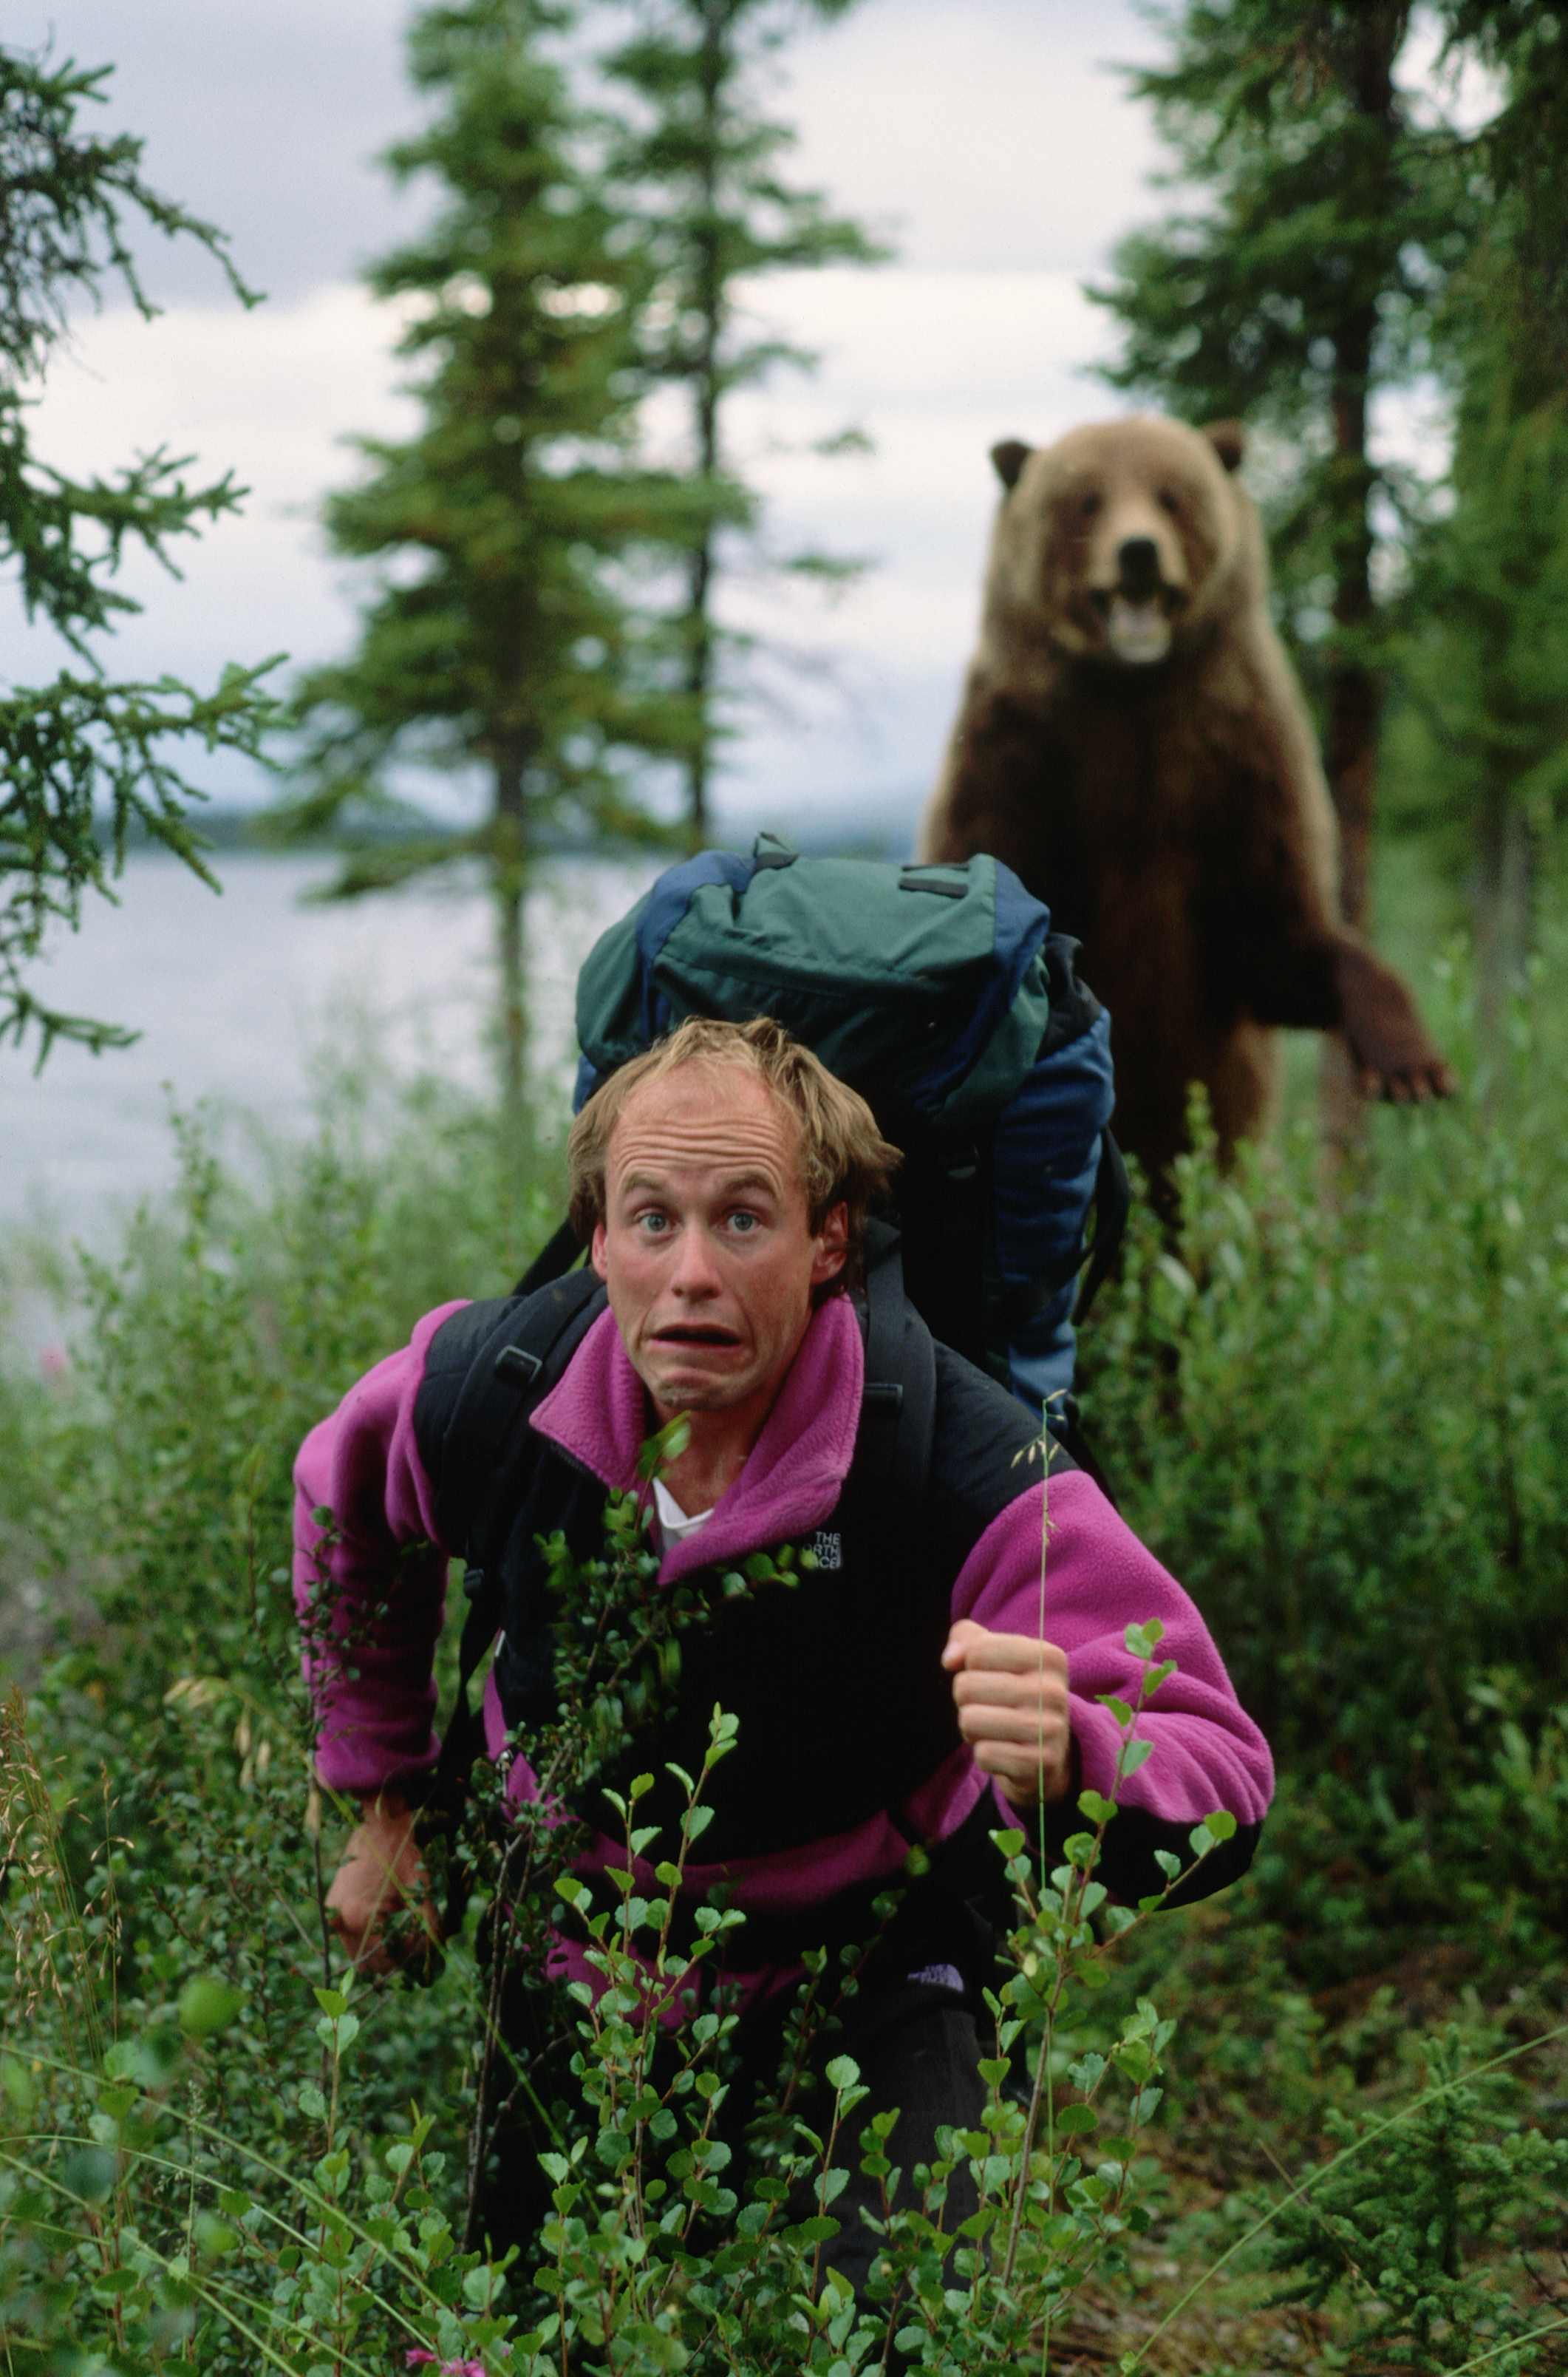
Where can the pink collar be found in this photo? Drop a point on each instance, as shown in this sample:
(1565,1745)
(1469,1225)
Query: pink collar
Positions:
(795,1471)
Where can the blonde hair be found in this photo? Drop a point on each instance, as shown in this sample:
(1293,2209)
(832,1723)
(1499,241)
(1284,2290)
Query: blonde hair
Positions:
(844,1158)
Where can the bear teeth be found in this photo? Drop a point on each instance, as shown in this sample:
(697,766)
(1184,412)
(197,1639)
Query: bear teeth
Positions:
(1138,632)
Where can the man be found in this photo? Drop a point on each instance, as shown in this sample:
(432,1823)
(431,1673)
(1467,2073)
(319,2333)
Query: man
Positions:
(931,1678)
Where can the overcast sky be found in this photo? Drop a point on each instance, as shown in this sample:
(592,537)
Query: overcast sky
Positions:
(986,138)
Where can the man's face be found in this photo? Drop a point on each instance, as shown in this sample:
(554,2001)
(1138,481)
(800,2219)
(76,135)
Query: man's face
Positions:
(706,1246)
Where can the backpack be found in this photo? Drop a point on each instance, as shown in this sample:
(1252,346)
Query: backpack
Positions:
(943,995)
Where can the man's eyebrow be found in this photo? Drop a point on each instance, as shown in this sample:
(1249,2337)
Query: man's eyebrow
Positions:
(732,1185)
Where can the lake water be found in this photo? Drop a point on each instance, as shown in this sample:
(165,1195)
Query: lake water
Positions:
(238,997)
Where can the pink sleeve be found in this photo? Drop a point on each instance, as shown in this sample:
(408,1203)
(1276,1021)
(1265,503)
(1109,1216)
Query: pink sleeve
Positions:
(1098,1580)
(370,1587)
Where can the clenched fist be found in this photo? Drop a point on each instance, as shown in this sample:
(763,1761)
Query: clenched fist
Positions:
(1011,1693)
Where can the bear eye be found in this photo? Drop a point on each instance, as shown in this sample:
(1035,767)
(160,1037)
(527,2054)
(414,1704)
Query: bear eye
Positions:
(1089,504)
(1168,502)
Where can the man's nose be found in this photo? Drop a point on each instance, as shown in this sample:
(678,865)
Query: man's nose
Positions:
(696,1271)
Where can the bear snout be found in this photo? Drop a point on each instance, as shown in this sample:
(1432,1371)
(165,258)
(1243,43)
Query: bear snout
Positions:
(1137,562)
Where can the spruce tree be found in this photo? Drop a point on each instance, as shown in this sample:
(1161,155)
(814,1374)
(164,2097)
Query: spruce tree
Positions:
(1306,287)
(1486,658)
(501,634)
(86,753)
(701,161)
(1524,45)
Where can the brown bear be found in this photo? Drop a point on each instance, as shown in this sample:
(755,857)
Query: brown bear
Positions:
(1133,744)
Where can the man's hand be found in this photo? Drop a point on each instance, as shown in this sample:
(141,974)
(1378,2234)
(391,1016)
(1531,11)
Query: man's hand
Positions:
(382,1872)
(1011,1693)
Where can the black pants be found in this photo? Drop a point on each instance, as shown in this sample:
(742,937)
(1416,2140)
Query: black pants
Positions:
(917,2047)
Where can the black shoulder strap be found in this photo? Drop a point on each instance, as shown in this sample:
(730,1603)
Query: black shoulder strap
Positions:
(517,1363)
(900,1396)
(557,1255)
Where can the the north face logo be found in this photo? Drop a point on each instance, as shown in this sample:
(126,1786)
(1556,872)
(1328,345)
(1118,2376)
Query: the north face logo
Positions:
(828,1547)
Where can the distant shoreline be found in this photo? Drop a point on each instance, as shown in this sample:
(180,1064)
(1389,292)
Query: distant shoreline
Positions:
(882,825)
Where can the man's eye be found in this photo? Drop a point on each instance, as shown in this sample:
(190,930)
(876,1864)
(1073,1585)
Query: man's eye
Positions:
(652,1224)
(744,1223)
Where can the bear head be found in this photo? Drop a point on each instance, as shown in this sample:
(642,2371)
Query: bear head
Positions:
(1119,541)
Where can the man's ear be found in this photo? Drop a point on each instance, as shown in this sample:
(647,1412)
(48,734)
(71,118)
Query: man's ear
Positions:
(832,1246)
(598,1255)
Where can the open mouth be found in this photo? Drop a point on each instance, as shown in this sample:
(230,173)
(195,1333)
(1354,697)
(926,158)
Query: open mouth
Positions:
(1137,632)
(695,1336)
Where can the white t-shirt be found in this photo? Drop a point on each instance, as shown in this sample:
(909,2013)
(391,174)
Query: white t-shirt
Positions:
(673,1523)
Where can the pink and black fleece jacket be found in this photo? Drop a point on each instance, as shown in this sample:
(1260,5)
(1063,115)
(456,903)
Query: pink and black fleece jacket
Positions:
(849,1749)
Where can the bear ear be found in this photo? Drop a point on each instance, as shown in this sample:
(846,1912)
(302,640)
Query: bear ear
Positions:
(1229,440)
(1009,459)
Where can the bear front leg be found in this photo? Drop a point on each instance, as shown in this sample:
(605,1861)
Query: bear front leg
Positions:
(1394,1054)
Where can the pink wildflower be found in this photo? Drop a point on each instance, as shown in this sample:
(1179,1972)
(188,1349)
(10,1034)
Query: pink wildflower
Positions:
(418,2358)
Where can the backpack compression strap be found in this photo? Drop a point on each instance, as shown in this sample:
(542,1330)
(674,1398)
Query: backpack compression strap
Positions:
(1113,1202)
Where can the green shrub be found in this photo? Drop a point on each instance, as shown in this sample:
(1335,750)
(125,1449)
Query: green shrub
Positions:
(1338,1419)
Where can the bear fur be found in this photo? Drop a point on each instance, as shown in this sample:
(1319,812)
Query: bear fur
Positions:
(1133,744)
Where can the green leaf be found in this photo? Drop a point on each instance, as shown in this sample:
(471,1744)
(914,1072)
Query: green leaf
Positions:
(843,2073)
(1141,1640)
(89,2173)
(1169,1863)
(1119,1709)
(207,2005)
(1221,1824)
(820,2229)
(332,2002)
(1136,1753)
(1076,2120)
(1098,1810)
(18,2082)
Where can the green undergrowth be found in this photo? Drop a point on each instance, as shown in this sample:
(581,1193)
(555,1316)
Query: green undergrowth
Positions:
(1335,1409)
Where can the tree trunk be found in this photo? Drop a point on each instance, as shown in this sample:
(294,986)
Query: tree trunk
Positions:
(509,875)
(707,305)
(1352,703)
(1353,698)
(1501,898)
